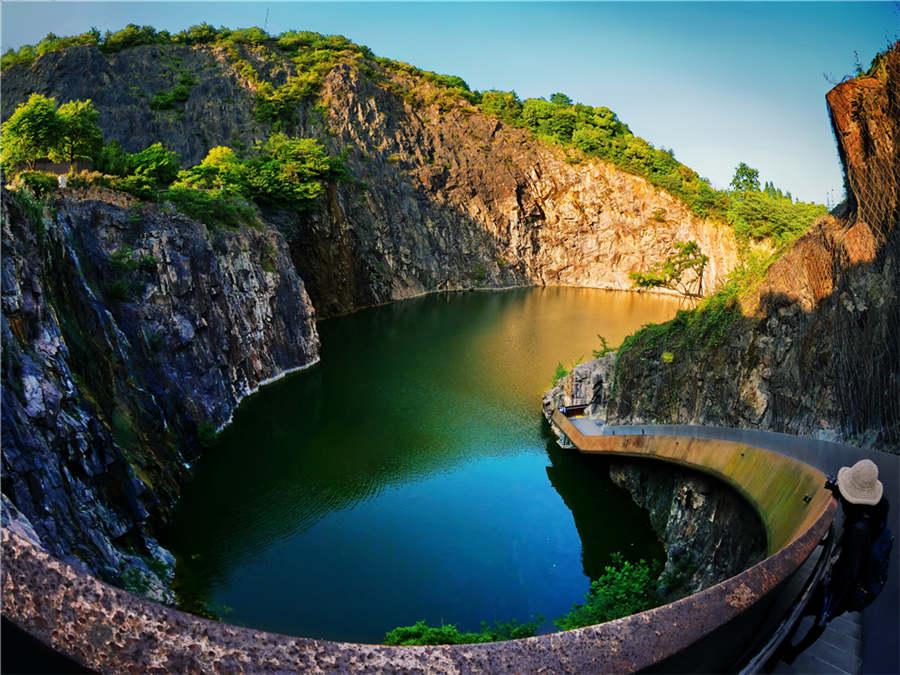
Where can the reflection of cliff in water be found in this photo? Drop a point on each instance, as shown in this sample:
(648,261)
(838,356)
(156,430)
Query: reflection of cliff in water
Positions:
(605,522)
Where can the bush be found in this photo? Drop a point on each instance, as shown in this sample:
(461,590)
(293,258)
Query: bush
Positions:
(505,105)
(762,215)
(561,372)
(215,208)
(52,43)
(420,633)
(624,588)
(166,100)
(132,36)
(40,184)
(155,163)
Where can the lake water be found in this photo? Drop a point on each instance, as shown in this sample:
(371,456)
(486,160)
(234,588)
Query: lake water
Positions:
(410,474)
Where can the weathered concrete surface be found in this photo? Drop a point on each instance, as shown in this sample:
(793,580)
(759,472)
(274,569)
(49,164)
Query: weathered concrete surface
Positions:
(110,630)
(881,620)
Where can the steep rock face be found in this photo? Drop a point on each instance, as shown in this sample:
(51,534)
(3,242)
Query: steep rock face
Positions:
(148,349)
(709,532)
(821,353)
(817,349)
(454,198)
(442,197)
(124,330)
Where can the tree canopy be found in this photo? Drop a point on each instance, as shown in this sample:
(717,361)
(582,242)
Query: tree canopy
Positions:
(32,132)
(682,271)
(745,179)
(38,129)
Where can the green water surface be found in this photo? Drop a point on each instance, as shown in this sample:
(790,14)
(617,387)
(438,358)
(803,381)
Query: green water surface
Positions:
(410,474)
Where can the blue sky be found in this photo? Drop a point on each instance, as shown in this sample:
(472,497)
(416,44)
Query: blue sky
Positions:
(719,83)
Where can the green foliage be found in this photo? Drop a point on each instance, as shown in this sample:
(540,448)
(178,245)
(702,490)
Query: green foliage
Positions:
(504,105)
(597,132)
(166,100)
(113,160)
(604,348)
(39,183)
(121,290)
(560,99)
(479,272)
(215,208)
(624,588)
(420,633)
(771,215)
(124,260)
(288,171)
(52,43)
(745,179)
(135,581)
(155,163)
(37,129)
(32,132)
(80,137)
(132,36)
(670,273)
(200,34)
(282,171)
(704,326)
(560,373)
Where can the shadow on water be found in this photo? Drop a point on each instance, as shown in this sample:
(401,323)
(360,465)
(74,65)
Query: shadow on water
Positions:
(408,476)
(605,522)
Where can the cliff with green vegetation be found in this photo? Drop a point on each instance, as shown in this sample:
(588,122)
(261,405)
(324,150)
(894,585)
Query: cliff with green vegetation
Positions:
(225,187)
(444,188)
(802,344)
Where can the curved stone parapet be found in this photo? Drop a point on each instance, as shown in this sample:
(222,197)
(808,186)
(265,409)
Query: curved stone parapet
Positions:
(110,630)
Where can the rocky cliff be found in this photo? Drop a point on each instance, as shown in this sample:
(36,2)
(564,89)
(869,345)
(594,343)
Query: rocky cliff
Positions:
(127,332)
(815,348)
(131,332)
(443,197)
(709,531)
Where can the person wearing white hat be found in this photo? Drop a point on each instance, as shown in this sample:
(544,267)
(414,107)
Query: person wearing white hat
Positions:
(860,571)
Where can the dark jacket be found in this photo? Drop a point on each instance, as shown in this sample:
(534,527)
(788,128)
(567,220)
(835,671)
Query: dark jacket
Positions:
(862,525)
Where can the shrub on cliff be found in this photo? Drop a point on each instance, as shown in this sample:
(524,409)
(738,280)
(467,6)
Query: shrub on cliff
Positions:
(624,588)
(282,171)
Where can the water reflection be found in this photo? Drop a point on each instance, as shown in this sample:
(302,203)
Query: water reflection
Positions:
(409,475)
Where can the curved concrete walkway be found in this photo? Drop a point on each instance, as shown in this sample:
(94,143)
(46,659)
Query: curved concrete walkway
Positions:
(880,622)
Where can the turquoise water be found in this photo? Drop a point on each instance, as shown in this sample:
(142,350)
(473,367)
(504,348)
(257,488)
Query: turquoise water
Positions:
(410,474)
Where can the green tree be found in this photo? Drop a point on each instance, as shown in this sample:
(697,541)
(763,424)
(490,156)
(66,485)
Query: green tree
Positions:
(504,105)
(560,98)
(221,169)
(80,137)
(288,171)
(155,163)
(682,271)
(31,132)
(746,179)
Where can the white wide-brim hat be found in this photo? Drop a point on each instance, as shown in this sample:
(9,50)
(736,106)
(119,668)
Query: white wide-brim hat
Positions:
(859,483)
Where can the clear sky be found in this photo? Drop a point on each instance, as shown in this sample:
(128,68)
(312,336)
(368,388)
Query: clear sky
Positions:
(719,83)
